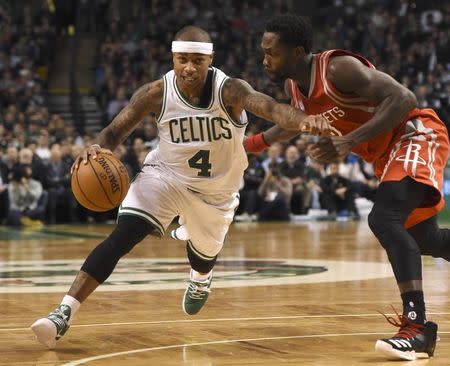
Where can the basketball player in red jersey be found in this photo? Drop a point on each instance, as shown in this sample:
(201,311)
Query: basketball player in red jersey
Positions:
(375,117)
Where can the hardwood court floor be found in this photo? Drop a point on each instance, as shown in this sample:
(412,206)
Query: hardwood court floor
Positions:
(294,294)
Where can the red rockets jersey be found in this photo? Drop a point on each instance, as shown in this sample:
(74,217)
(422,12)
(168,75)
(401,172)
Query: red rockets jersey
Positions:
(345,112)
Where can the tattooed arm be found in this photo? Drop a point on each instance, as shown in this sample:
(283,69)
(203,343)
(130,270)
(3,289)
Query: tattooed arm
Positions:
(239,95)
(147,99)
(276,133)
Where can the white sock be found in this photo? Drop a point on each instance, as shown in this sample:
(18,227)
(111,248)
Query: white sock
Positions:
(196,276)
(73,303)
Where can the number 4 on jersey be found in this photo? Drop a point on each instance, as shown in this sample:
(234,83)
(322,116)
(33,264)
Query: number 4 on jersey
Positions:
(201,162)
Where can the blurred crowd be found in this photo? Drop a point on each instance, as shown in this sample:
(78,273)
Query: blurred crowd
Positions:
(407,39)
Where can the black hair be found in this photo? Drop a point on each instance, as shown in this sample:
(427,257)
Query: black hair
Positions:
(192,34)
(292,29)
(17,173)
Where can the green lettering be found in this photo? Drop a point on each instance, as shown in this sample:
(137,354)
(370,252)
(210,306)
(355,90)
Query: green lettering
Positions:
(226,134)
(213,127)
(208,128)
(172,137)
(183,129)
(200,124)
(193,138)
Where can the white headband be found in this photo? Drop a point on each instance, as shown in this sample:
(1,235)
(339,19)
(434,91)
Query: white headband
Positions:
(192,47)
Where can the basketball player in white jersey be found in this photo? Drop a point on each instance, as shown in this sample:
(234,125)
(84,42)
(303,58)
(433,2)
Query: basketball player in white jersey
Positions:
(194,173)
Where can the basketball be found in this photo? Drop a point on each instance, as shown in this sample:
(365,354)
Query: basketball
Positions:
(101,184)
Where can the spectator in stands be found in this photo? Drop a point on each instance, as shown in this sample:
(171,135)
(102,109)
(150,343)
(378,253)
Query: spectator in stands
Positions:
(42,149)
(274,156)
(38,168)
(66,150)
(338,196)
(362,177)
(27,200)
(147,131)
(253,177)
(61,203)
(314,174)
(275,194)
(115,105)
(3,190)
(294,169)
(302,144)
(10,159)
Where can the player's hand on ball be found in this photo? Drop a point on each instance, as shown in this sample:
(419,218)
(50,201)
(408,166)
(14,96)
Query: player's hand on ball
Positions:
(316,125)
(330,149)
(90,151)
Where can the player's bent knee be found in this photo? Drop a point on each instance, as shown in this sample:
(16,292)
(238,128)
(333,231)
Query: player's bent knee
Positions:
(375,220)
(199,262)
(385,222)
(130,230)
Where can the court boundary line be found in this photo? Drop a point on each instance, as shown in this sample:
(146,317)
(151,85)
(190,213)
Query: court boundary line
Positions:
(263,318)
(228,341)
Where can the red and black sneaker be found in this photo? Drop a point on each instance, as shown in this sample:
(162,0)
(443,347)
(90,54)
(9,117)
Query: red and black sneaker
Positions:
(412,341)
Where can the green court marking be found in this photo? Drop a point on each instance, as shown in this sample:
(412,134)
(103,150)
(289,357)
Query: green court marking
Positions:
(8,233)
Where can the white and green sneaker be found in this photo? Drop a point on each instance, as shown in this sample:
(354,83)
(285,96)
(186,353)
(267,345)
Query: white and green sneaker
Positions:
(50,329)
(196,295)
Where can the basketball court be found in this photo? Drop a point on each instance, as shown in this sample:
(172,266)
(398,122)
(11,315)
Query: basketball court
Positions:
(297,294)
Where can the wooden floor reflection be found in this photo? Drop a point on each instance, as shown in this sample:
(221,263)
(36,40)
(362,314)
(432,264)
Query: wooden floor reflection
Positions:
(283,294)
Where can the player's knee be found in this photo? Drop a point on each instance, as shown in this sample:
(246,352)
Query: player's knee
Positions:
(375,220)
(129,231)
(199,262)
(385,217)
(385,222)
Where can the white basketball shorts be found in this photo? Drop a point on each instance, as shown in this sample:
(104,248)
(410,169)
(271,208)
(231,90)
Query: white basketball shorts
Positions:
(157,197)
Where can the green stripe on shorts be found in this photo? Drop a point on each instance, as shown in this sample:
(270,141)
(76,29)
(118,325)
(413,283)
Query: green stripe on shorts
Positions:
(202,256)
(145,215)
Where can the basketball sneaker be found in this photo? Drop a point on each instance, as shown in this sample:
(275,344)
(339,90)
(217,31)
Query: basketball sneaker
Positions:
(50,329)
(196,295)
(411,342)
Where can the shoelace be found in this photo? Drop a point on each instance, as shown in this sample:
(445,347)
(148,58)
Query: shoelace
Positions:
(59,318)
(408,329)
(197,292)
(58,312)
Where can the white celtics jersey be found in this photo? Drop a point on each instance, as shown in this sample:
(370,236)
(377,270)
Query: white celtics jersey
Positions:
(202,147)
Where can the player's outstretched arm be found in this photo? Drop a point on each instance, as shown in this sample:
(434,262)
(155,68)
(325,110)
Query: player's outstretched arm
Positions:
(276,133)
(262,140)
(239,95)
(349,75)
(147,99)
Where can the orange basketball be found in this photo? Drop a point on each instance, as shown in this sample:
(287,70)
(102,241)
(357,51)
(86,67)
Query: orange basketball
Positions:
(101,184)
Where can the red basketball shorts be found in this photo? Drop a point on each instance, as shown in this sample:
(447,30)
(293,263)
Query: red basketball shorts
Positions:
(419,150)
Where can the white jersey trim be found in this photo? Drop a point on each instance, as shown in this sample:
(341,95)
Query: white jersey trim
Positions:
(164,101)
(178,92)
